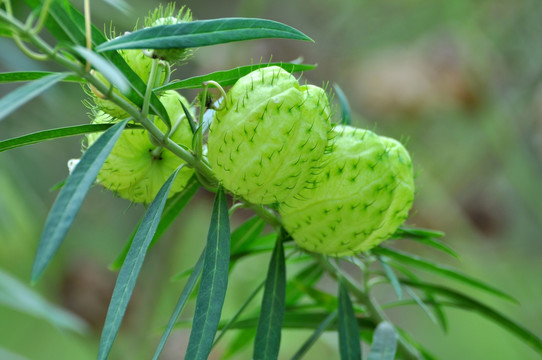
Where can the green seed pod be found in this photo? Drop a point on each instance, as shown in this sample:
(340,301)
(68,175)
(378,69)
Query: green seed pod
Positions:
(136,169)
(361,196)
(165,17)
(140,64)
(264,145)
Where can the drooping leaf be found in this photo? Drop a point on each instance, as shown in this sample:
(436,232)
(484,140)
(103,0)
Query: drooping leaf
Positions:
(110,72)
(308,276)
(426,237)
(230,77)
(9,355)
(392,278)
(299,319)
(58,133)
(268,333)
(203,33)
(33,75)
(17,295)
(71,197)
(213,283)
(246,233)
(120,5)
(27,92)
(174,206)
(346,116)
(324,325)
(414,260)
(384,342)
(349,343)
(467,302)
(185,294)
(130,269)
(239,311)
(421,303)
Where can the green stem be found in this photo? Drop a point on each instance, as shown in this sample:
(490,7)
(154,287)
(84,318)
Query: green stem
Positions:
(375,313)
(43,16)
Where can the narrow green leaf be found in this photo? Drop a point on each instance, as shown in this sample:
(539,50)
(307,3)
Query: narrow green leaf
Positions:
(391,277)
(324,325)
(426,237)
(240,341)
(110,72)
(239,311)
(121,5)
(27,92)
(349,344)
(294,318)
(246,233)
(58,133)
(130,269)
(185,294)
(230,77)
(17,295)
(422,304)
(346,116)
(174,206)
(33,75)
(71,197)
(421,263)
(8,355)
(213,283)
(420,232)
(267,343)
(203,33)
(384,342)
(308,276)
(467,302)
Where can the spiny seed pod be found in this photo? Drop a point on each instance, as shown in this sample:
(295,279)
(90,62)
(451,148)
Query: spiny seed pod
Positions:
(136,169)
(165,17)
(362,195)
(264,145)
(140,64)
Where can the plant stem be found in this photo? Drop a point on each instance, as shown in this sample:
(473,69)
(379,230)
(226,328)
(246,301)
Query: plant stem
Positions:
(374,312)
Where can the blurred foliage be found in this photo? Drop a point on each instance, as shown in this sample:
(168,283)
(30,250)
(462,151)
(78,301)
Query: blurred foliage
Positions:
(459,79)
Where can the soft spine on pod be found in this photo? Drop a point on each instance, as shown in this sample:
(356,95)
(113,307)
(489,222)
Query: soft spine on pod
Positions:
(266,141)
(136,169)
(363,193)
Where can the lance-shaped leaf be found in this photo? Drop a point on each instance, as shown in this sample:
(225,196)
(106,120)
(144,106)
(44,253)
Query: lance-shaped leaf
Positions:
(267,343)
(346,116)
(230,77)
(315,335)
(384,342)
(110,72)
(349,344)
(185,294)
(213,283)
(203,33)
(71,197)
(464,301)
(58,133)
(130,269)
(27,92)
(414,260)
(174,206)
(391,277)
(16,76)
(17,295)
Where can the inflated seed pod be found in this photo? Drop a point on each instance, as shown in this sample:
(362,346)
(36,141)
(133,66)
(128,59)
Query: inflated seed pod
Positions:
(362,195)
(136,169)
(264,145)
(140,64)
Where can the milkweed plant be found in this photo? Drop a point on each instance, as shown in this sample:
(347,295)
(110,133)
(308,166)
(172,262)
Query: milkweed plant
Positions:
(333,195)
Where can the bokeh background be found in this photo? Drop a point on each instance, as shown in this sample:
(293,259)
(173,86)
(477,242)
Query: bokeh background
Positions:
(458,81)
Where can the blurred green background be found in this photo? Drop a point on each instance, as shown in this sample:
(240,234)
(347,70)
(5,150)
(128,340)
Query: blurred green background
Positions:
(458,81)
